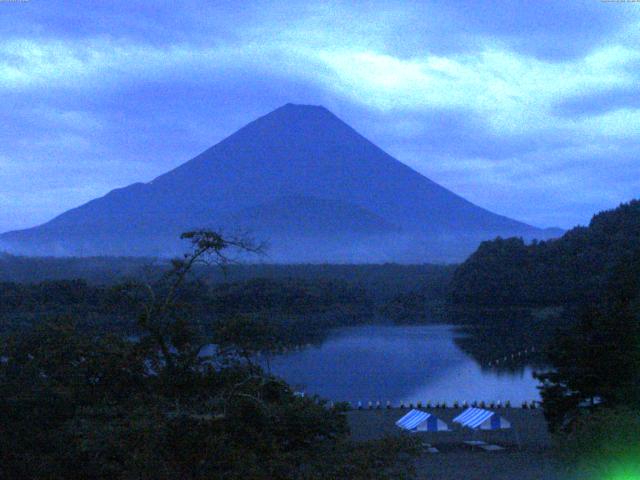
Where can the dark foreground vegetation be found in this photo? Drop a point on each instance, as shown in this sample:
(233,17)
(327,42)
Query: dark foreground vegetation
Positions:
(591,397)
(101,378)
(83,403)
(591,390)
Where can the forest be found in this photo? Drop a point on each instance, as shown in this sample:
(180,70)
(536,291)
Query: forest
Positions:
(114,352)
(302,302)
(510,272)
(80,401)
(590,384)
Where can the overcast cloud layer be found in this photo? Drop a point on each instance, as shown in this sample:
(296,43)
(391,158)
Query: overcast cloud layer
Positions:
(530,109)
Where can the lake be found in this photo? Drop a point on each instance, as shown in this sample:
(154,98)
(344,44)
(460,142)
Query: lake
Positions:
(399,363)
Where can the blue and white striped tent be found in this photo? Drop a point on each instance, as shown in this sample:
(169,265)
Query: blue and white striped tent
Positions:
(481,419)
(419,421)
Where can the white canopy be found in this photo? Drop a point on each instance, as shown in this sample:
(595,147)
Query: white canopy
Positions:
(419,421)
(481,419)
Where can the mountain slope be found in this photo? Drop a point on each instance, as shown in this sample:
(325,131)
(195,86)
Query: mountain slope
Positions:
(296,151)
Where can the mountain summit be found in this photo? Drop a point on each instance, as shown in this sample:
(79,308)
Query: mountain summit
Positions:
(301,179)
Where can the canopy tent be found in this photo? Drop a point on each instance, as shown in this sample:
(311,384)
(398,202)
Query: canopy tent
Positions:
(419,421)
(481,419)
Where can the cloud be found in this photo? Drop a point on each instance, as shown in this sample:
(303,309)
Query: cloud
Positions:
(503,102)
(511,91)
(600,102)
(553,30)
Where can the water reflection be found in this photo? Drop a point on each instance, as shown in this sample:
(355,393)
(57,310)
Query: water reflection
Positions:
(399,363)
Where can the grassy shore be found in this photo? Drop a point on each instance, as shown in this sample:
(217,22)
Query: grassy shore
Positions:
(526,456)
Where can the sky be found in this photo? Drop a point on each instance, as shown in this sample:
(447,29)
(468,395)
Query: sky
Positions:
(528,108)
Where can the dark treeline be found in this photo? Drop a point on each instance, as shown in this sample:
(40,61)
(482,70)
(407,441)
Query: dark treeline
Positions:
(597,360)
(300,310)
(79,402)
(591,385)
(304,301)
(568,270)
(591,395)
(383,282)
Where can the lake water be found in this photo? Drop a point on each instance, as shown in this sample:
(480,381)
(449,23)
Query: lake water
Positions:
(399,363)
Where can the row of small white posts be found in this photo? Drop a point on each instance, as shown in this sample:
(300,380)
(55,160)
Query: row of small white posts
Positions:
(473,418)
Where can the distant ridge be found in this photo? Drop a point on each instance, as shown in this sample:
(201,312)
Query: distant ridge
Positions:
(299,178)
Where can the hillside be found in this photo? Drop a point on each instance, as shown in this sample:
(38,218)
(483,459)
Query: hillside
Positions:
(570,270)
(299,178)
